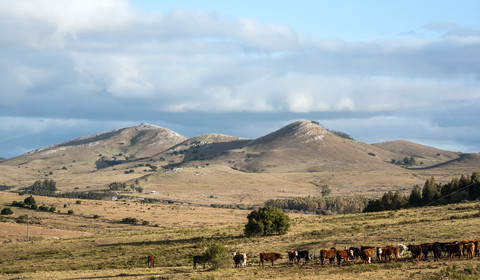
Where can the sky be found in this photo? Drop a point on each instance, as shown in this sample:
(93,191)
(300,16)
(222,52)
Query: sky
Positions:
(376,70)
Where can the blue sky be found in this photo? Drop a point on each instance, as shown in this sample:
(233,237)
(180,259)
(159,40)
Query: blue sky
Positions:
(377,70)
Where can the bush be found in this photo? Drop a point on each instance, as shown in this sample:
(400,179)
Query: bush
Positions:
(52,209)
(217,255)
(7,211)
(129,220)
(78,202)
(70,212)
(30,201)
(267,221)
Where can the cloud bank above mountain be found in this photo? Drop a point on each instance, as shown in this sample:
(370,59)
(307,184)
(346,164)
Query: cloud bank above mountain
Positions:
(65,63)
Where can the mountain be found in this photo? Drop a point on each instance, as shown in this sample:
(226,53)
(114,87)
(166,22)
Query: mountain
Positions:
(306,147)
(294,160)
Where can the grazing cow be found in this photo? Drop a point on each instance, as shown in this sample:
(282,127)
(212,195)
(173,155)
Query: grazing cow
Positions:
(342,255)
(389,251)
(366,255)
(416,251)
(470,250)
(381,253)
(240,259)
(269,257)
(151,261)
(427,247)
(327,254)
(438,249)
(292,256)
(354,252)
(401,249)
(477,248)
(199,260)
(454,249)
(303,255)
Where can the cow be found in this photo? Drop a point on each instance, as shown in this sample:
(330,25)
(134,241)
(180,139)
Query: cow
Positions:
(427,247)
(303,255)
(389,251)
(292,256)
(416,251)
(470,250)
(477,248)
(271,256)
(328,254)
(355,252)
(199,260)
(401,249)
(454,249)
(366,255)
(380,253)
(151,261)
(343,255)
(240,259)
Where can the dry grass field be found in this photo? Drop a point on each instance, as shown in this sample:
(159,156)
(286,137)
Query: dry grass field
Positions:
(103,248)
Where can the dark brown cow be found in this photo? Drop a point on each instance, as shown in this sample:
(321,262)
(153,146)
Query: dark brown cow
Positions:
(342,255)
(454,249)
(199,260)
(427,247)
(366,255)
(151,261)
(328,254)
(389,251)
(292,256)
(269,257)
(416,251)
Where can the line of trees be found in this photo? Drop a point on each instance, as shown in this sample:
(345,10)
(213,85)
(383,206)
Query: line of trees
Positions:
(432,193)
(321,205)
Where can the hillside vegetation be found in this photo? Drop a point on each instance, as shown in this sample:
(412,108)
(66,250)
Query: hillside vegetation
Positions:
(80,246)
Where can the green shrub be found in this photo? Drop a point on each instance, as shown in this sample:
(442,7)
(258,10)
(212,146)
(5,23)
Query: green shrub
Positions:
(267,221)
(70,212)
(218,256)
(7,211)
(129,220)
(30,201)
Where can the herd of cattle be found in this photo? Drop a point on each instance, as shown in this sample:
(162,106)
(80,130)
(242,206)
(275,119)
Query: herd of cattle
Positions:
(451,250)
(468,248)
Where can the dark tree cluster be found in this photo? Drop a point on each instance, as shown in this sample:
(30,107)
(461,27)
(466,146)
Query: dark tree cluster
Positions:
(46,187)
(432,193)
(321,205)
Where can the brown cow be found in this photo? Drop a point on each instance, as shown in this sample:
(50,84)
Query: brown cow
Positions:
(381,253)
(389,251)
(477,248)
(366,255)
(151,261)
(454,249)
(416,251)
(470,250)
(292,256)
(327,254)
(269,257)
(342,255)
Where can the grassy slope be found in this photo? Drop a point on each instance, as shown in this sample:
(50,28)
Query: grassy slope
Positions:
(98,248)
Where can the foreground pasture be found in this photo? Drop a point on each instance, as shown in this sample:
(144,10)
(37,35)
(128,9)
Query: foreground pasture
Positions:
(103,248)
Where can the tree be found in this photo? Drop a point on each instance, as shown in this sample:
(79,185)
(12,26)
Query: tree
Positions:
(415,198)
(30,201)
(267,221)
(7,211)
(325,190)
(45,187)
